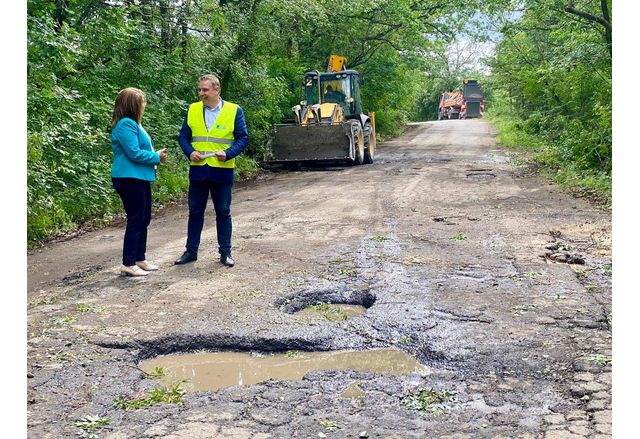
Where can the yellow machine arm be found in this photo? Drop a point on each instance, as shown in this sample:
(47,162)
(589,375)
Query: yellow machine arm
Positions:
(337,63)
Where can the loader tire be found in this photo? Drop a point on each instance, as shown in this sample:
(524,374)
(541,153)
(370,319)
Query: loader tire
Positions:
(369,143)
(357,140)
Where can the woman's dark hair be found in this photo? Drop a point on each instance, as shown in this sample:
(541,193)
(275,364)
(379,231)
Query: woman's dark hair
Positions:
(130,103)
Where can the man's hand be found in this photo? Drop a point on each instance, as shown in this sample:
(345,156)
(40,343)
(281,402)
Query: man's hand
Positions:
(163,155)
(195,156)
(221,155)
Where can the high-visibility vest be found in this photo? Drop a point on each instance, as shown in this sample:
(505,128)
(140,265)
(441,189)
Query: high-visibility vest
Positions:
(219,137)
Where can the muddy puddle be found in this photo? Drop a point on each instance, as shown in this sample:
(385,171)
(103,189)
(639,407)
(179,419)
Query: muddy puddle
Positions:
(332,312)
(215,370)
(353,391)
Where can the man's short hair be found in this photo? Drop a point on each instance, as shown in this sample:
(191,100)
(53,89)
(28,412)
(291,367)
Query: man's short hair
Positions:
(211,78)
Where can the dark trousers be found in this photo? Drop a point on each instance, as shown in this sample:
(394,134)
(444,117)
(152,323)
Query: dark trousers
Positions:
(136,199)
(198,197)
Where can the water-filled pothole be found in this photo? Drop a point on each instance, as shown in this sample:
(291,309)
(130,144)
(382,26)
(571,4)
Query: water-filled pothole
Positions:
(215,370)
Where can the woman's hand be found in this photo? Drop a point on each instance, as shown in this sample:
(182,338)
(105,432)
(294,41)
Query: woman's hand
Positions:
(163,155)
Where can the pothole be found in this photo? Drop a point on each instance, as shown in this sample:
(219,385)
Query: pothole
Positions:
(438,159)
(469,275)
(482,175)
(211,371)
(344,302)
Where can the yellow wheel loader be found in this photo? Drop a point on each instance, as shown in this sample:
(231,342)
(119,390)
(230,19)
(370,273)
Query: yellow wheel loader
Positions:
(329,125)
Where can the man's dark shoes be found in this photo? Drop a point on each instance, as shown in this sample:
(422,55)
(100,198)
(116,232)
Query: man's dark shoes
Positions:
(185,258)
(226,260)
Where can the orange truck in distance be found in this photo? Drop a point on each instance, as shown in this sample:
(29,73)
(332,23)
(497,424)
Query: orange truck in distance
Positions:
(450,105)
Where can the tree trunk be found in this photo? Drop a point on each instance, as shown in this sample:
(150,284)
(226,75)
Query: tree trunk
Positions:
(165,25)
(604,21)
(182,19)
(60,14)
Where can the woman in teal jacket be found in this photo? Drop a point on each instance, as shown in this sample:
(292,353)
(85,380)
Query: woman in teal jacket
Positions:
(132,171)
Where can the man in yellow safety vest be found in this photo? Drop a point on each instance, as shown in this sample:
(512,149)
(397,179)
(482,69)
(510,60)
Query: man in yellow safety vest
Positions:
(213,133)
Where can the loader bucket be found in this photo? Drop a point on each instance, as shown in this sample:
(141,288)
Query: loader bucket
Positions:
(295,143)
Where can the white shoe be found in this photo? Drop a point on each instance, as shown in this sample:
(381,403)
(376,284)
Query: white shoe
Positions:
(147,266)
(134,270)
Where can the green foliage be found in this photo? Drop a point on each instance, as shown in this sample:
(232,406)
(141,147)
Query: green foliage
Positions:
(44,300)
(391,85)
(293,354)
(552,88)
(350,272)
(89,425)
(429,401)
(329,425)
(84,308)
(329,311)
(600,360)
(169,395)
(63,320)
(158,372)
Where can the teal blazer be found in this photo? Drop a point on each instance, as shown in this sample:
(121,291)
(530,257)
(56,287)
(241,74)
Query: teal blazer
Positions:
(133,153)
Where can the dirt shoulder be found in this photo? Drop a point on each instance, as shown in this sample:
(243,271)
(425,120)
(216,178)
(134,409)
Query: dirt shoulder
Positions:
(497,282)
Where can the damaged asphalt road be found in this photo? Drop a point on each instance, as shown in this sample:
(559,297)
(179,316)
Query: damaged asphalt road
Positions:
(497,282)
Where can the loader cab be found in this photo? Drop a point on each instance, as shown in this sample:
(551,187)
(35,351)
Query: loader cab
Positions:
(342,88)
